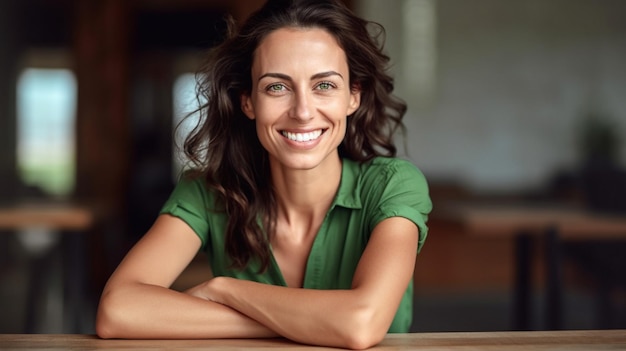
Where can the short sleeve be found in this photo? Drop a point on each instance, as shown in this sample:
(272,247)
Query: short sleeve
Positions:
(190,202)
(402,191)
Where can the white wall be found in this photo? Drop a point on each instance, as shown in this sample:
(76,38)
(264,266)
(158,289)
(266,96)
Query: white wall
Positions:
(513,79)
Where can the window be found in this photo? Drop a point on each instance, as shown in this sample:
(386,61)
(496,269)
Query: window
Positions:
(184,96)
(46,113)
(420,52)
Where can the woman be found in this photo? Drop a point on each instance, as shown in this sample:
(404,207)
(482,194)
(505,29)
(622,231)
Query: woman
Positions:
(310,225)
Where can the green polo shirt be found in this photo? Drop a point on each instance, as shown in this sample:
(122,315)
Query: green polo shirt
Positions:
(368,193)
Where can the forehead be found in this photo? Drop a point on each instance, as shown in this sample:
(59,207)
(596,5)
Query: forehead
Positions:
(296,46)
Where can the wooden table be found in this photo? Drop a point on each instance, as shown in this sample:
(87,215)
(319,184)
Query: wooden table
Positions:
(572,223)
(49,215)
(501,341)
(71,221)
(552,223)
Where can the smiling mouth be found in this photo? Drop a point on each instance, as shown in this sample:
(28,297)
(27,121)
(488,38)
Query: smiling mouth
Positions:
(302,137)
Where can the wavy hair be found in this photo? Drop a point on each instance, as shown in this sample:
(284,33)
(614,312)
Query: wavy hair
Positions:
(224,147)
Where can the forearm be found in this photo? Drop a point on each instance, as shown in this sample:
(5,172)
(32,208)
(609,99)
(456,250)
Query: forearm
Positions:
(356,318)
(340,318)
(140,311)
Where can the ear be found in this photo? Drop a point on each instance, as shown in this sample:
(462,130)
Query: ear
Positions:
(355,99)
(246,106)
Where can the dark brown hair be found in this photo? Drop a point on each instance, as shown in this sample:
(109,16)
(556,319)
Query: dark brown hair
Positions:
(224,146)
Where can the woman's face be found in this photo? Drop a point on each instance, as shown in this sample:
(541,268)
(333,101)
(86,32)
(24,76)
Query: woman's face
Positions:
(301,96)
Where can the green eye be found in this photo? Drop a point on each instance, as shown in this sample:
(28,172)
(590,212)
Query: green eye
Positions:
(275,88)
(324,86)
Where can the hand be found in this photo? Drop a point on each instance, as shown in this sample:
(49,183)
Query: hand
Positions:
(207,290)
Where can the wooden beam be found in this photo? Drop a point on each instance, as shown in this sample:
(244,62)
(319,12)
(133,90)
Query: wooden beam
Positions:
(102,65)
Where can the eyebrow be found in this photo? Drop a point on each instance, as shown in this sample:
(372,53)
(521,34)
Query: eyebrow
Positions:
(315,76)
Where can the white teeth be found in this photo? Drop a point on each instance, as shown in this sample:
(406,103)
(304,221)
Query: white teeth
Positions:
(302,136)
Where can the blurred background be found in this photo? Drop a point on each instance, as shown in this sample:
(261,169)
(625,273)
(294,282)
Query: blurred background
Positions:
(509,102)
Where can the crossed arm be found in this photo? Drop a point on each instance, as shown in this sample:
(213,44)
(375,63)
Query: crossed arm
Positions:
(137,303)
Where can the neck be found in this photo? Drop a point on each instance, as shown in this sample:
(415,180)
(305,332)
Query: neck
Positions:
(304,195)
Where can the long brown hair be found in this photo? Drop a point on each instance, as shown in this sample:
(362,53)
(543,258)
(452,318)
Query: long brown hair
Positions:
(224,146)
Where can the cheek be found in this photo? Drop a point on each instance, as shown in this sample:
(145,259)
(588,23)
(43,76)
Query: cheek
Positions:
(269,110)
(264,131)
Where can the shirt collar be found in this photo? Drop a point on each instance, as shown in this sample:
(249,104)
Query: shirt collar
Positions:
(349,194)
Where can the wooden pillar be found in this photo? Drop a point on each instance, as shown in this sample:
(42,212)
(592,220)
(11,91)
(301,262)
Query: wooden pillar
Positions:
(241,9)
(102,65)
(8,84)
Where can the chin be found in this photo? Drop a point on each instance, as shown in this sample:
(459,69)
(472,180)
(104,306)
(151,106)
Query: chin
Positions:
(302,163)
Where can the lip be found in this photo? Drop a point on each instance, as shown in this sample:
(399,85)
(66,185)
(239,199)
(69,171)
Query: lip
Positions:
(299,130)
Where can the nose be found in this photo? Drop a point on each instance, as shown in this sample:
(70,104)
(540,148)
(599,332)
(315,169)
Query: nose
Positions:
(301,108)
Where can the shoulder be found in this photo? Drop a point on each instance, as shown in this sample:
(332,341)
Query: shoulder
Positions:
(195,204)
(388,181)
(386,170)
(391,183)
(191,187)
(191,194)
(392,187)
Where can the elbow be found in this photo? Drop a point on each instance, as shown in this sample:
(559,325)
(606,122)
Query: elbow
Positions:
(103,329)
(362,342)
(363,330)
(107,324)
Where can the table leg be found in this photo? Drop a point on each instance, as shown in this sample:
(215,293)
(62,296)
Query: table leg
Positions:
(37,272)
(42,268)
(74,280)
(522,291)
(554,280)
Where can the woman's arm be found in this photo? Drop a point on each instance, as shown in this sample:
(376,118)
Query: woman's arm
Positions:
(137,302)
(356,318)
